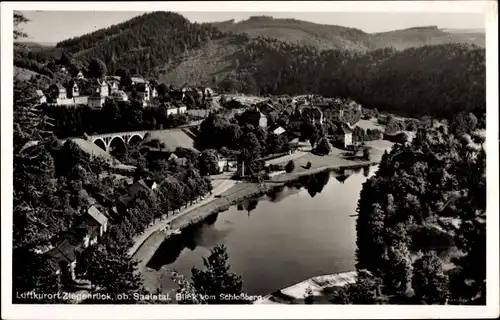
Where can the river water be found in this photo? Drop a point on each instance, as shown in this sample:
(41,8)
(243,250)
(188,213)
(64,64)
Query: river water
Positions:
(291,234)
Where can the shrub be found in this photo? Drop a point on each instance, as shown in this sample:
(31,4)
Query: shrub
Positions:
(290,166)
(308,165)
(366,154)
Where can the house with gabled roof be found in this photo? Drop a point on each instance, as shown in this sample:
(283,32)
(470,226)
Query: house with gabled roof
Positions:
(100,88)
(146,185)
(143,91)
(95,221)
(62,259)
(342,135)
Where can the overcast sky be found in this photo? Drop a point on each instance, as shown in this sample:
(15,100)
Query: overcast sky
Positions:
(54,26)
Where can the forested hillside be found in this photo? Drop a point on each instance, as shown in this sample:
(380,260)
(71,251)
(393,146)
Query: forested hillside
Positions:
(142,42)
(417,81)
(437,80)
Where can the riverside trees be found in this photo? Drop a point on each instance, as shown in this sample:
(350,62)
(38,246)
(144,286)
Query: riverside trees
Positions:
(421,188)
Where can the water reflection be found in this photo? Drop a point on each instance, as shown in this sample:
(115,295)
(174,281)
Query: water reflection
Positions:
(310,232)
(203,235)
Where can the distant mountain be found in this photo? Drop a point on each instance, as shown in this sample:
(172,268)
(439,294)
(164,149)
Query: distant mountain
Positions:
(336,37)
(421,36)
(298,32)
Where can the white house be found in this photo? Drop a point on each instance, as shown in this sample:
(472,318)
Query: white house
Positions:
(343,134)
(113,85)
(172,109)
(96,219)
(80,75)
(100,88)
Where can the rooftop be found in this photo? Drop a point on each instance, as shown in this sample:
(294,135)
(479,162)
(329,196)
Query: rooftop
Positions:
(97,215)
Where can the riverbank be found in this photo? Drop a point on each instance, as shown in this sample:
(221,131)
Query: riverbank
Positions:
(148,243)
(318,287)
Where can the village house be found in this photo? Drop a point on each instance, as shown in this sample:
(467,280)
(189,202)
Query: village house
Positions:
(113,85)
(67,246)
(143,91)
(41,97)
(254,117)
(96,101)
(100,88)
(277,130)
(177,108)
(342,136)
(62,260)
(80,76)
(95,221)
(312,115)
(57,91)
(144,185)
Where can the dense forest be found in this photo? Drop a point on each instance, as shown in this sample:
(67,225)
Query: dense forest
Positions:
(413,82)
(421,230)
(141,43)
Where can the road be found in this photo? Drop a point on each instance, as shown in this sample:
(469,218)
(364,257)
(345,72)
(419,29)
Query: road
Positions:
(220,185)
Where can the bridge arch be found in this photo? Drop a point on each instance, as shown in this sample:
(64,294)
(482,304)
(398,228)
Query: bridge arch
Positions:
(116,144)
(135,139)
(100,143)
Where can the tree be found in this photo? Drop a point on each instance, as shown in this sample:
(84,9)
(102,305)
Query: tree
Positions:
(162,89)
(216,279)
(429,281)
(366,290)
(324,147)
(464,122)
(110,271)
(290,166)
(208,162)
(19,19)
(366,154)
(97,69)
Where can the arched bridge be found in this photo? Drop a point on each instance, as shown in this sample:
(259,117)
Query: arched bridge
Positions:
(109,141)
(118,140)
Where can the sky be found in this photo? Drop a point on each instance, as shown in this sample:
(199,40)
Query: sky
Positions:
(54,26)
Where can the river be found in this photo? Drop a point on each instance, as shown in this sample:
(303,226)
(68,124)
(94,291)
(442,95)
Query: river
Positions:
(293,233)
